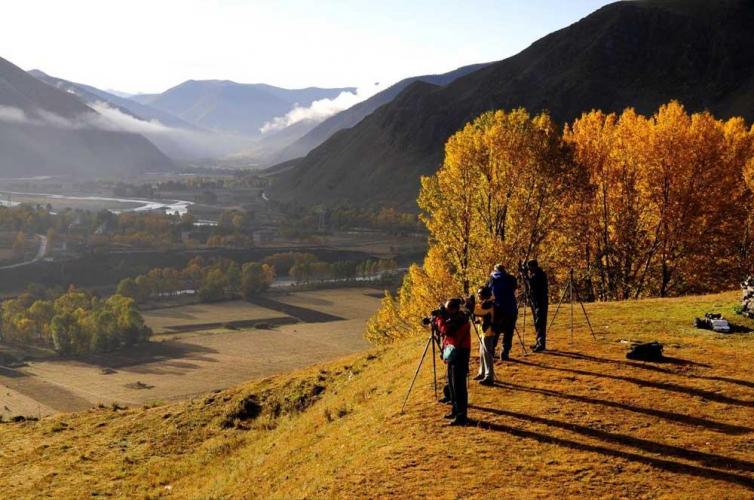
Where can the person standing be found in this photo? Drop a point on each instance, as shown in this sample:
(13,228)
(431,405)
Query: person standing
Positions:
(484,308)
(539,299)
(454,327)
(503,286)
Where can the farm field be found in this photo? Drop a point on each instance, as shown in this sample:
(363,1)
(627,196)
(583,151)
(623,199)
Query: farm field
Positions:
(161,320)
(178,365)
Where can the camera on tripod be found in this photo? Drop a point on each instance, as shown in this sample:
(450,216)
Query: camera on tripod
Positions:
(440,312)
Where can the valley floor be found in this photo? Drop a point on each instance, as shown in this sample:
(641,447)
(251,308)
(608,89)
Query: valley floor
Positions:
(580,420)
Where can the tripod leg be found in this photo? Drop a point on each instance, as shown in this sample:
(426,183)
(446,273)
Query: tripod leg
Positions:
(426,347)
(586,316)
(434,365)
(571,287)
(479,337)
(549,327)
(521,340)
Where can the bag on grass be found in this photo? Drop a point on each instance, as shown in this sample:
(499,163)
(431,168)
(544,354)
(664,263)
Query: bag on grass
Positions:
(650,351)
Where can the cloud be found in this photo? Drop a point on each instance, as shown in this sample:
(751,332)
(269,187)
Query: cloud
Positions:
(110,118)
(175,142)
(12,115)
(321,109)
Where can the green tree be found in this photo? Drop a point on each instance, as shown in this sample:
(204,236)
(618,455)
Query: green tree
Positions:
(213,286)
(255,278)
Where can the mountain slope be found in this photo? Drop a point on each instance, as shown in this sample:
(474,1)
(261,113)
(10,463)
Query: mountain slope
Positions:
(91,95)
(46,131)
(580,421)
(223,105)
(353,115)
(639,54)
(174,136)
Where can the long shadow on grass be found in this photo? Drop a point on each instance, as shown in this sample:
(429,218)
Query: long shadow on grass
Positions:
(138,358)
(706,459)
(652,367)
(665,386)
(659,463)
(667,415)
(301,313)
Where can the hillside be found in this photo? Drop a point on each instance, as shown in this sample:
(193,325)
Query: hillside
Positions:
(174,136)
(353,115)
(227,106)
(578,421)
(92,95)
(47,131)
(638,54)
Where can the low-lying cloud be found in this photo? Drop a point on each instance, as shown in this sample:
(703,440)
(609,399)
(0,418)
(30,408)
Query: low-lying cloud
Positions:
(320,110)
(106,118)
(178,143)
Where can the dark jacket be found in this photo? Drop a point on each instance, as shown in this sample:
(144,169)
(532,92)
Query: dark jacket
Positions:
(504,289)
(538,288)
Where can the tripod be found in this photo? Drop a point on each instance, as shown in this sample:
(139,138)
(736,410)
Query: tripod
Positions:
(435,341)
(571,289)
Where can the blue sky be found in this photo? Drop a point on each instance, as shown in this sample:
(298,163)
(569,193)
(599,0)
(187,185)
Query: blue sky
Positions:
(151,45)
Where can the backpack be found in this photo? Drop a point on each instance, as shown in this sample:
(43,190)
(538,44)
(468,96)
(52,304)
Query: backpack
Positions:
(650,351)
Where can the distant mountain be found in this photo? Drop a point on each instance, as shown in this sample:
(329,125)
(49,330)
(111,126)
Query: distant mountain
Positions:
(630,53)
(175,137)
(226,106)
(353,115)
(48,131)
(92,95)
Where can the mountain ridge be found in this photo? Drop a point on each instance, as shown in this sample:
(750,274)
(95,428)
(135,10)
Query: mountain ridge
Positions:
(47,131)
(637,54)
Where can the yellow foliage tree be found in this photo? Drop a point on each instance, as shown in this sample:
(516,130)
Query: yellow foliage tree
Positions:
(499,196)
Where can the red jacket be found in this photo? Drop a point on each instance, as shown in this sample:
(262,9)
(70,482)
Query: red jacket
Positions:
(459,336)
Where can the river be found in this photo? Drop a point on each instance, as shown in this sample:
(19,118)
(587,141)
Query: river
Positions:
(170,207)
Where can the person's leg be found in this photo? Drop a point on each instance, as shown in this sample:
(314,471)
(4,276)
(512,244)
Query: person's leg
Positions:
(482,373)
(489,361)
(543,325)
(451,389)
(460,370)
(507,337)
(540,324)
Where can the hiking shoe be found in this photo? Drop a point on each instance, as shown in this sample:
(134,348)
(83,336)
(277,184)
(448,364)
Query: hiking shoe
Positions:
(538,348)
(449,416)
(459,421)
(479,377)
(504,357)
(487,382)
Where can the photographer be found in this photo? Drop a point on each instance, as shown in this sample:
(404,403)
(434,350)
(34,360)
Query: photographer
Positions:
(539,301)
(484,308)
(453,325)
(503,286)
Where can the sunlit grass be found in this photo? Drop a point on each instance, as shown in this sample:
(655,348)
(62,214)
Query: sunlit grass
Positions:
(580,420)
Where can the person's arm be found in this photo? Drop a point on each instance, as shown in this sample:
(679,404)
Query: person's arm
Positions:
(479,309)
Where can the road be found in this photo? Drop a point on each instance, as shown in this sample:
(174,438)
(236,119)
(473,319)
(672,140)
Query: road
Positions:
(41,251)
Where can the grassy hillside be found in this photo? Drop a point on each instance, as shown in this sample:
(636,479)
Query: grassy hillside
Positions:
(580,420)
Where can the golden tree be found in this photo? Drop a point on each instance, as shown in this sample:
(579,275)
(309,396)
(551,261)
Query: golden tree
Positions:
(500,195)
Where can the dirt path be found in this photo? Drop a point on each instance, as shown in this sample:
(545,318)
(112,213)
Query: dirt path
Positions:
(41,251)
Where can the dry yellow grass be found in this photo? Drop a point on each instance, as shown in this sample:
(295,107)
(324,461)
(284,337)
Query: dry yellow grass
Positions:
(579,421)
